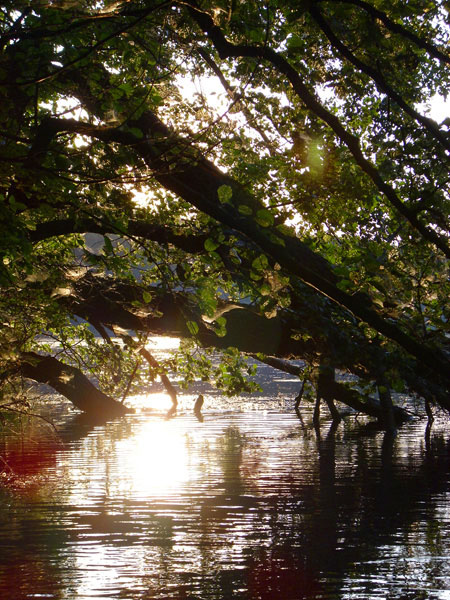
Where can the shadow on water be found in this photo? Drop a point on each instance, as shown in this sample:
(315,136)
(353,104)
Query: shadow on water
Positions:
(245,506)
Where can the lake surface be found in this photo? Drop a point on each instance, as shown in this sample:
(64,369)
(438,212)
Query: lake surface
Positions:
(251,503)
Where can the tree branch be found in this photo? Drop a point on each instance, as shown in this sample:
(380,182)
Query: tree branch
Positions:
(231,93)
(429,124)
(419,41)
(197,180)
(340,392)
(316,337)
(138,228)
(154,364)
(139,17)
(227,50)
(71,383)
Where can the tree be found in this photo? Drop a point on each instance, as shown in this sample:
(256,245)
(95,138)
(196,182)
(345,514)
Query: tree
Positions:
(301,215)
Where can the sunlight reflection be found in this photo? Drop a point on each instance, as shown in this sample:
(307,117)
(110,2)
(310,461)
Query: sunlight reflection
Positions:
(147,457)
(142,473)
(156,460)
(155,508)
(161,342)
(160,402)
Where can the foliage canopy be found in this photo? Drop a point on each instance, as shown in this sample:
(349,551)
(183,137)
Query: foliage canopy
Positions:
(259,177)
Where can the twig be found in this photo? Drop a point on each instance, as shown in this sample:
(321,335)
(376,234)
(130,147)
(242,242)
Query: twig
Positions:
(30,414)
(130,381)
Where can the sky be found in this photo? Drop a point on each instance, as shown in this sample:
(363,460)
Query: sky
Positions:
(439,108)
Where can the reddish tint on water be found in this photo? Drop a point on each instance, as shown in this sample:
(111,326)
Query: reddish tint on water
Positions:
(246,505)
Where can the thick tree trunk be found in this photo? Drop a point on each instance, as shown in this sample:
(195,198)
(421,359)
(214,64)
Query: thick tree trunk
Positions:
(325,379)
(388,418)
(365,404)
(71,383)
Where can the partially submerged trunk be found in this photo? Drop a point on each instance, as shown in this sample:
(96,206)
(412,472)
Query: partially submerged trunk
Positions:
(262,337)
(331,390)
(71,383)
(113,303)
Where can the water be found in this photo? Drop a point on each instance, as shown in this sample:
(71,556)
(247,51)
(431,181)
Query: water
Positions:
(251,503)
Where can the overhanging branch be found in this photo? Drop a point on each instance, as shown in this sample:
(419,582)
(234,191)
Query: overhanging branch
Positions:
(228,50)
(71,383)
(395,27)
(198,182)
(136,228)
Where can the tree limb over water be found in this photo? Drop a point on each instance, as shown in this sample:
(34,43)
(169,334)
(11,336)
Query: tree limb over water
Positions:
(325,238)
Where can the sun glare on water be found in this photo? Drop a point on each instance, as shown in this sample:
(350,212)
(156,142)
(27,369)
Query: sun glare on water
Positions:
(151,462)
(156,462)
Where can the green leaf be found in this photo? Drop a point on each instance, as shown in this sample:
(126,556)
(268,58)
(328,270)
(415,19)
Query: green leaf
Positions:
(264,218)
(108,248)
(265,289)
(192,327)
(221,323)
(211,245)
(225,193)
(156,98)
(245,210)
(260,263)
(127,88)
(344,284)
(294,42)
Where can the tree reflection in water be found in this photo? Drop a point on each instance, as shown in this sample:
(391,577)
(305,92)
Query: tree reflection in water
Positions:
(246,506)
